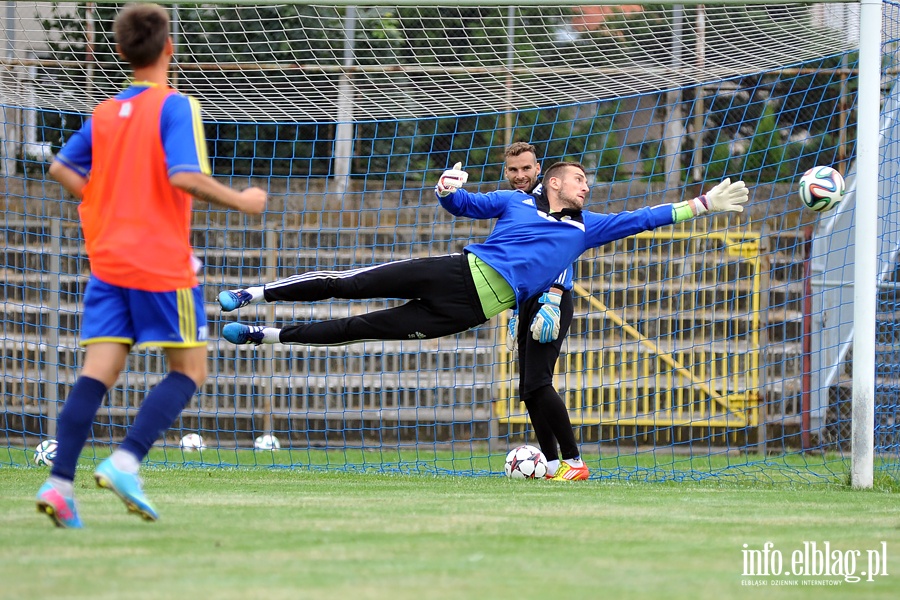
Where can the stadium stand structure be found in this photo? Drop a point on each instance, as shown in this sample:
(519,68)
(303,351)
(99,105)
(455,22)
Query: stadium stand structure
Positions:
(733,324)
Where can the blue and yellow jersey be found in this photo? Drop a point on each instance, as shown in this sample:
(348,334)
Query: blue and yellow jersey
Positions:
(136,224)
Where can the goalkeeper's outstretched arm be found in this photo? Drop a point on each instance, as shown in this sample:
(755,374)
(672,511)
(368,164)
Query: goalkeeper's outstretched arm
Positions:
(725,197)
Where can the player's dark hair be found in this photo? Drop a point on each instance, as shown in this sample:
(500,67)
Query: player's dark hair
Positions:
(556,169)
(141,31)
(517,148)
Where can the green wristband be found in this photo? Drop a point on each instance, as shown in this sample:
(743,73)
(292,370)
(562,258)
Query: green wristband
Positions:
(682,211)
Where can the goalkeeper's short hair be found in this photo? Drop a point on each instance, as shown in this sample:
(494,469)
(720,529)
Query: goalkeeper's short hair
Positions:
(556,169)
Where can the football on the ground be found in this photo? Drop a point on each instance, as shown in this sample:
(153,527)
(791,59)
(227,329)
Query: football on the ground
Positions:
(821,188)
(526,462)
(192,441)
(266,442)
(45,453)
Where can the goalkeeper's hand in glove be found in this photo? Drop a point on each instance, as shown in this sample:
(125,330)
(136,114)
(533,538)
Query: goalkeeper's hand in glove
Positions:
(512,332)
(545,326)
(451,180)
(725,197)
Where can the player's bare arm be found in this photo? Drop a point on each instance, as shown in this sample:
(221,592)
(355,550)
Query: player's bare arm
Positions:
(203,187)
(68,178)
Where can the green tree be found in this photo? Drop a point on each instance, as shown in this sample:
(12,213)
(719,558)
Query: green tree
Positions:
(719,161)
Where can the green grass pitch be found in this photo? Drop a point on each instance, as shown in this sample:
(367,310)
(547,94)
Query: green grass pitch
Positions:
(279,533)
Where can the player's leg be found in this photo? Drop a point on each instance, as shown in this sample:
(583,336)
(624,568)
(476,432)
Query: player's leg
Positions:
(411,321)
(176,322)
(102,364)
(533,374)
(107,335)
(531,365)
(546,408)
(572,467)
(417,319)
(555,408)
(445,303)
(407,279)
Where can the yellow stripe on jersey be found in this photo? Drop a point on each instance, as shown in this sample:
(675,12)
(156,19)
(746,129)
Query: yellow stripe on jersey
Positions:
(199,137)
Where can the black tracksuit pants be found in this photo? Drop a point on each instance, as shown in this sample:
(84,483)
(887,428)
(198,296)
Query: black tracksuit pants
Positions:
(546,409)
(441,293)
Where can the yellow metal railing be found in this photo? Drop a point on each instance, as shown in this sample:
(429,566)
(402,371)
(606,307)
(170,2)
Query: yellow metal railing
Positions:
(666,334)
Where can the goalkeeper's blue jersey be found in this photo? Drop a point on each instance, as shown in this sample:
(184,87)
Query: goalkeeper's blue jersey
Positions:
(564,280)
(530,248)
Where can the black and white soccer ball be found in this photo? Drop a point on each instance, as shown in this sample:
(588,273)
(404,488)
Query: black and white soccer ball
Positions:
(266,442)
(821,188)
(45,453)
(526,462)
(192,442)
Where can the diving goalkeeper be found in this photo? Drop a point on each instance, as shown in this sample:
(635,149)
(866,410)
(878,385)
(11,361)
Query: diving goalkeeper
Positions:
(522,257)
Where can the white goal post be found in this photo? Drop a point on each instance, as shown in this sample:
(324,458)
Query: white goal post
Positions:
(865,254)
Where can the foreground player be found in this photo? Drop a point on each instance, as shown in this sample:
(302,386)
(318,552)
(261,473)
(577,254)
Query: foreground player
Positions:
(135,165)
(547,317)
(522,257)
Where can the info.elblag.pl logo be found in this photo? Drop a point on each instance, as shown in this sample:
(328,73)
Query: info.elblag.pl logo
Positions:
(813,563)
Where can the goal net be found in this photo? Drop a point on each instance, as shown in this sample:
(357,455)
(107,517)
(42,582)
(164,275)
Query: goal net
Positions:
(691,353)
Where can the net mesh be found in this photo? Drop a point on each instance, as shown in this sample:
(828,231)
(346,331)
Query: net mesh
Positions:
(689,355)
(270,63)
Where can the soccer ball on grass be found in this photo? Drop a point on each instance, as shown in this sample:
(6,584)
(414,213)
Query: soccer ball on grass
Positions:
(821,188)
(45,453)
(192,441)
(266,442)
(526,462)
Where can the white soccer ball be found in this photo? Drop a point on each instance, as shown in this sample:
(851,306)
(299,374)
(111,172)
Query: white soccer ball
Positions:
(266,442)
(821,188)
(45,453)
(192,441)
(526,462)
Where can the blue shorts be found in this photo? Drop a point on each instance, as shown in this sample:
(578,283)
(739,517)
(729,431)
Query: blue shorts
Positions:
(175,319)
